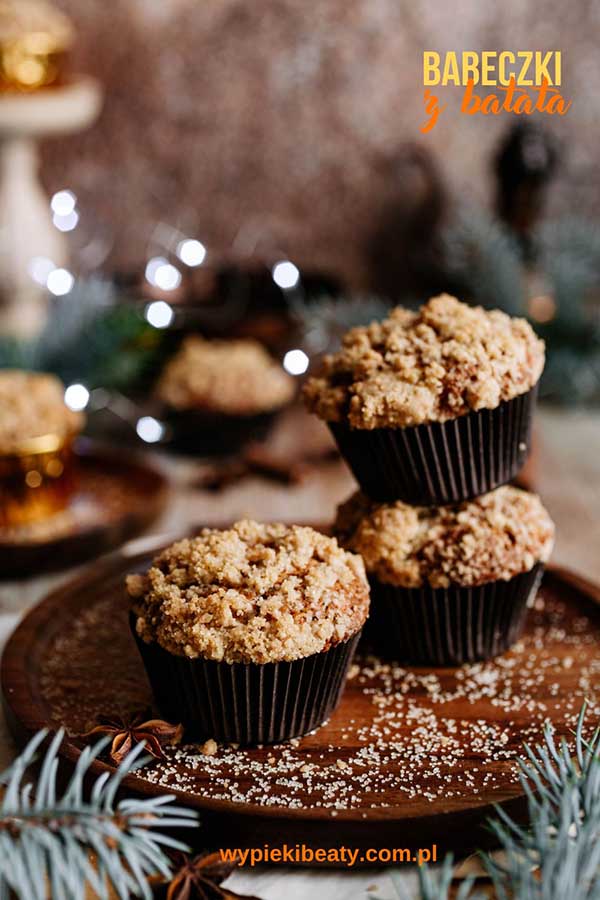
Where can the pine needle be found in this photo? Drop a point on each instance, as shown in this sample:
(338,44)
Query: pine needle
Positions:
(46,840)
(557,855)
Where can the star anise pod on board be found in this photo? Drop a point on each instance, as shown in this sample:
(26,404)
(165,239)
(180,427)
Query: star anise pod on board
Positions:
(129,730)
(197,878)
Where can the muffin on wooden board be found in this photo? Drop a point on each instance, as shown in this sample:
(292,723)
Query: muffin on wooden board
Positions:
(434,406)
(247,633)
(220,394)
(449,584)
(37,430)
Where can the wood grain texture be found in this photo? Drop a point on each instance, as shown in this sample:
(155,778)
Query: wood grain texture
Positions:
(411,756)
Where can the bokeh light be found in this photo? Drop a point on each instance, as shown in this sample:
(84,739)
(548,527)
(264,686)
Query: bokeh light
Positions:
(60,282)
(149,429)
(296,362)
(63,203)
(162,274)
(77,397)
(285,274)
(191,252)
(159,314)
(67,222)
(39,268)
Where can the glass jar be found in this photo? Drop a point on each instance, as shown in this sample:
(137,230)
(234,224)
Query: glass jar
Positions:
(36,479)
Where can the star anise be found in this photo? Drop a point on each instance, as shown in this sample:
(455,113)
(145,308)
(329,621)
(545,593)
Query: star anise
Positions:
(197,878)
(128,731)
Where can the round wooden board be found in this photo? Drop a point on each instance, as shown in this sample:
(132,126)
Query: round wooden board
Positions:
(116,497)
(410,758)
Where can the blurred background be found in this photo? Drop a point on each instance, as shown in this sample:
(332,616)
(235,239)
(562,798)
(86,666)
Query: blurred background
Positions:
(171,168)
(275,132)
(292,119)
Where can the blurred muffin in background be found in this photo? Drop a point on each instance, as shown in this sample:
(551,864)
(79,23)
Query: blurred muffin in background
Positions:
(220,394)
(37,430)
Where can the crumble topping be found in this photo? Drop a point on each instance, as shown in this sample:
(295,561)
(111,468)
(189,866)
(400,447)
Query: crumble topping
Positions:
(494,537)
(253,593)
(236,377)
(32,405)
(427,366)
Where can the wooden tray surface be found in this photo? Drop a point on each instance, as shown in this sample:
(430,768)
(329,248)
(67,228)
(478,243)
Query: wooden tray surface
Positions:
(411,756)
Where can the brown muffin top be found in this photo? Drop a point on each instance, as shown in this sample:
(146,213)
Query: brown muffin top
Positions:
(253,593)
(234,377)
(32,405)
(427,366)
(494,537)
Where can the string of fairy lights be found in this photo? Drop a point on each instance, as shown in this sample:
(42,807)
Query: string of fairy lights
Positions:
(559,294)
(163,272)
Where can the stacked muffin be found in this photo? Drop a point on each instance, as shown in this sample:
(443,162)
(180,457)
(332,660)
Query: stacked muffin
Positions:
(432,411)
(247,633)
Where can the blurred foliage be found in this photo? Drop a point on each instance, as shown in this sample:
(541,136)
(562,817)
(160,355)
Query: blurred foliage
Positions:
(483,258)
(555,282)
(90,338)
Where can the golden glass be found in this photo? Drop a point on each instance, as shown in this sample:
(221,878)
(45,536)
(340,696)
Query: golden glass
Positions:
(30,61)
(36,479)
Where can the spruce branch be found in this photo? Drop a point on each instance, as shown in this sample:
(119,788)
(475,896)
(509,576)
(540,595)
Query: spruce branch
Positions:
(557,855)
(436,884)
(568,253)
(48,834)
(92,337)
(483,259)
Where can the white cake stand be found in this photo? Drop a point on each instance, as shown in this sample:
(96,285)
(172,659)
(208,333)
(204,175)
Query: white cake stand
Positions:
(26,229)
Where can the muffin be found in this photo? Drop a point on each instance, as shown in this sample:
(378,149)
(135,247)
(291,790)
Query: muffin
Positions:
(220,394)
(37,431)
(434,406)
(449,584)
(247,633)
(35,40)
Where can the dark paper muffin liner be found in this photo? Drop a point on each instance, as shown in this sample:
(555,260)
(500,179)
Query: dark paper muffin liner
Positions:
(449,626)
(215,434)
(247,703)
(444,462)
